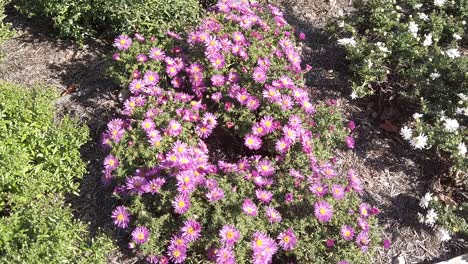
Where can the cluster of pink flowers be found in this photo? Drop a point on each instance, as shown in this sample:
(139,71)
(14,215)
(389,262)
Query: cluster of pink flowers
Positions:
(172,110)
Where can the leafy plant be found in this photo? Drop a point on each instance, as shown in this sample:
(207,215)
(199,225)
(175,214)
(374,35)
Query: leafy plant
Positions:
(414,52)
(84,19)
(40,162)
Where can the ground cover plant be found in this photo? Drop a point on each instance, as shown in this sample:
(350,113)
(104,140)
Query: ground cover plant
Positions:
(84,19)
(40,163)
(414,52)
(276,195)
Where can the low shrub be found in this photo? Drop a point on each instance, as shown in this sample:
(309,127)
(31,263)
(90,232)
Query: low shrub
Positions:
(84,19)
(39,163)
(415,53)
(236,81)
(445,217)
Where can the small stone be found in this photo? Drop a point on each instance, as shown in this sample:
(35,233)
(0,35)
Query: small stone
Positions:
(399,260)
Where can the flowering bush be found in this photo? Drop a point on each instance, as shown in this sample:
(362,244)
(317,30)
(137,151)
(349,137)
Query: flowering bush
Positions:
(444,219)
(83,19)
(413,51)
(40,163)
(234,80)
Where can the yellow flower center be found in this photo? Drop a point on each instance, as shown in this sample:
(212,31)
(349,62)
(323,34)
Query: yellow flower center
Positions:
(176,253)
(123,41)
(181,204)
(322,211)
(190,231)
(229,234)
(347,233)
(286,239)
(141,236)
(120,217)
(180,149)
(259,242)
(111,162)
(250,141)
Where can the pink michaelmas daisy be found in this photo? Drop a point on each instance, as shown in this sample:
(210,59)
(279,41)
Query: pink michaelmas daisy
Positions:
(141,58)
(264,196)
(156,54)
(140,235)
(282,145)
(225,256)
(136,86)
(154,186)
(273,215)
(217,80)
(347,232)
(174,129)
(123,42)
(252,103)
(191,230)
(259,75)
(350,142)
(177,254)
(121,216)
(363,224)
(362,240)
(265,168)
(135,184)
(287,240)
(181,204)
(258,130)
(215,194)
(229,235)
(318,189)
(253,142)
(148,125)
(338,192)
(249,208)
(151,77)
(364,210)
(323,211)
(217,61)
(111,163)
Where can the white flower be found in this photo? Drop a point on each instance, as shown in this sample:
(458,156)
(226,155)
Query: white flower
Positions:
(423,16)
(463,97)
(421,218)
(417,115)
(451,125)
(424,203)
(347,41)
(456,36)
(431,217)
(452,53)
(413,28)
(461,149)
(427,40)
(434,75)
(444,234)
(439,2)
(353,95)
(419,142)
(406,132)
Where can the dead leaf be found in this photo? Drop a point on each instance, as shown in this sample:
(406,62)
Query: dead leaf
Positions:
(388,126)
(70,89)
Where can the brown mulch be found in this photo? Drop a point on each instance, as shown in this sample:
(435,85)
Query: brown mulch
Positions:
(394,175)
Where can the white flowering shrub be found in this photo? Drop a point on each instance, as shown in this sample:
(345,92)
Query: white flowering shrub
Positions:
(413,51)
(445,220)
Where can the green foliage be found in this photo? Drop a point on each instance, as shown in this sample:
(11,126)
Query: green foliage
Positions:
(414,52)
(84,19)
(5,28)
(39,163)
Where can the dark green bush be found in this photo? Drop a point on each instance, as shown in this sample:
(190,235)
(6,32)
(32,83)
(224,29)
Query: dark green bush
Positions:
(82,19)
(5,28)
(39,163)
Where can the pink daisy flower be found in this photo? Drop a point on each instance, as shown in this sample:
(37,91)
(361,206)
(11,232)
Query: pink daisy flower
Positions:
(174,129)
(249,208)
(121,216)
(287,240)
(140,235)
(229,235)
(323,211)
(181,204)
(253,142)
(347,232)
(191,230)
(273,215)
(123,42)
(338,192)
(264,196)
